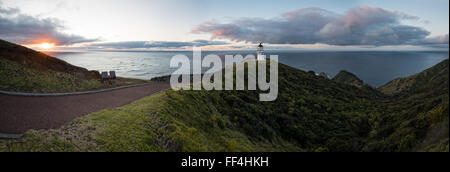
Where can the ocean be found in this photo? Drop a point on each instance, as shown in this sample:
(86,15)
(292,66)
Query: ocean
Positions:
(375,68)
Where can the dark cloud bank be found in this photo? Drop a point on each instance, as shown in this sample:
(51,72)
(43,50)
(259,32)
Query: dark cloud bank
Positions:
(358,26)
(24,29)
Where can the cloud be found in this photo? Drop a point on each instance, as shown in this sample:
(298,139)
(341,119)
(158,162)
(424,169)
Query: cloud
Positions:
(8,11)
(25,29)
(358,26)
(155,44)
(440,41)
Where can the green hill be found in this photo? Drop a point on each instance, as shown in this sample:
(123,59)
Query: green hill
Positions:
(26,70)
(430,80)
(416,113)
(348,78)
(40,61)
(311,114)
(18,78)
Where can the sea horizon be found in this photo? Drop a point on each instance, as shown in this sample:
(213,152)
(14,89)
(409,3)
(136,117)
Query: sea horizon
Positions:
(150,64)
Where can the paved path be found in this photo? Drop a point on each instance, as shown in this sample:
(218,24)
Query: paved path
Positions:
(19,114)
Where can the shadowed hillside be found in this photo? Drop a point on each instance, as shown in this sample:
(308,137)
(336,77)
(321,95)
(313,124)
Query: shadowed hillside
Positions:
(415,117)
(26,70)
(40,61)
(430,80)
(348,78)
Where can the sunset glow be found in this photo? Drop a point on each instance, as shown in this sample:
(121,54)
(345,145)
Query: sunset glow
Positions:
(46,46)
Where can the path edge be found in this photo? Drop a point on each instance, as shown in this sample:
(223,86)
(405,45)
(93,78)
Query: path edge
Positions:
(10,136)
(69,94)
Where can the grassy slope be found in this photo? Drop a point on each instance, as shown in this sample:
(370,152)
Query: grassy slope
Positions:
(311,114)
(141,126)
(18,78)
(26,70)
(40,61)
(128,128)
(435,78)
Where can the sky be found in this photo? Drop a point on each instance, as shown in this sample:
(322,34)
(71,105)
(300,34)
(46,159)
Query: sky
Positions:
(226,24)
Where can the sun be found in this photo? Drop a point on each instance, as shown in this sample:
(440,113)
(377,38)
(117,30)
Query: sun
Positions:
(46,45)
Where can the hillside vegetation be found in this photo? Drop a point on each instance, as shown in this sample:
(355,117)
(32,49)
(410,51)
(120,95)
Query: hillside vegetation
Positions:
(416,114)
(428,81)
(18,78)
(348,78)
(25,70)
(40,61)
(311,114)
